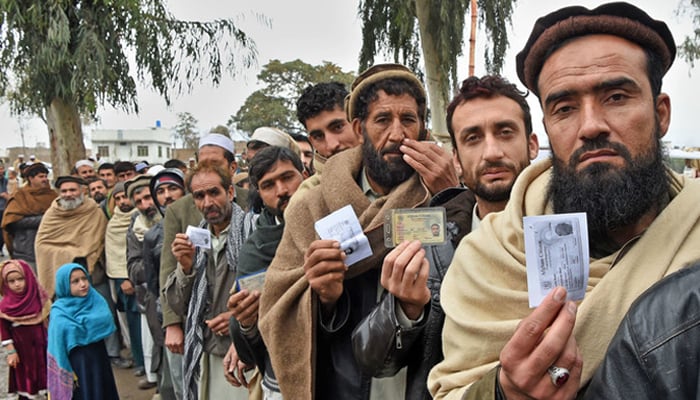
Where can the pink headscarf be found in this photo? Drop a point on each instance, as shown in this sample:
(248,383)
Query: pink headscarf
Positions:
(28,308)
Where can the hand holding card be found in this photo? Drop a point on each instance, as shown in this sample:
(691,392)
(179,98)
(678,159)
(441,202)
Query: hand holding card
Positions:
(199,237)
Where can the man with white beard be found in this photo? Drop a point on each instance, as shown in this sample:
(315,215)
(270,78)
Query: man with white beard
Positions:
(73,227)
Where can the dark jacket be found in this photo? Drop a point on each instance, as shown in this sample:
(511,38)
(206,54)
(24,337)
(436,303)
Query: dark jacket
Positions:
(380,345)
(655,353)
(24,232)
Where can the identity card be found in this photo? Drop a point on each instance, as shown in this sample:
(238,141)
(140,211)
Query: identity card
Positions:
(556,253)
(251,282)
(199,237)
(424,224)
(343,226)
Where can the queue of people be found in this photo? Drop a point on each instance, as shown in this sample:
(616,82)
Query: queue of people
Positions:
(232,292)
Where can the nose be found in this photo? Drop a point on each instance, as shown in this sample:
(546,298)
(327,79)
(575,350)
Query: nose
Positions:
(592,121)
(396,131)
(281,189)
(332,143)
(492,148)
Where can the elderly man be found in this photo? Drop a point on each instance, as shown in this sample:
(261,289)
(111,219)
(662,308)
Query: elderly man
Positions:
(168,186)
(308,277)
(139,193)
(74,226)
(218,149)
(85,169)
(24,211)
(597,74)
(491,130)
(198,288)
(276,172)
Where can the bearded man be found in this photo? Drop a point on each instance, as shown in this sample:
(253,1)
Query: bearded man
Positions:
(312,301)
(597,74)
(74,226)
(24,211)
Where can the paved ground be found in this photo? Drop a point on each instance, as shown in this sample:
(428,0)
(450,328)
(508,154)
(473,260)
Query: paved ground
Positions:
(127,383)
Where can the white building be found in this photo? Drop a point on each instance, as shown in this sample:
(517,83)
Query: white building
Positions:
(151,144)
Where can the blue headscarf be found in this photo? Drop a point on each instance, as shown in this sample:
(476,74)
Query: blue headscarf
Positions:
(74,321)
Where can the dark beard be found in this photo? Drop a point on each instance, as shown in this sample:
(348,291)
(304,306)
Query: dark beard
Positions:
(496,194)
(611,197)
(98,197)
(386,174)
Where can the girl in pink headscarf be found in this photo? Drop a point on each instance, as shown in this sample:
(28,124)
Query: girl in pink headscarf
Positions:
(24,309)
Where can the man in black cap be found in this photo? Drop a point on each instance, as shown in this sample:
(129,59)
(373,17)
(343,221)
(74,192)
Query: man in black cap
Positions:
(597,74)
(24,211)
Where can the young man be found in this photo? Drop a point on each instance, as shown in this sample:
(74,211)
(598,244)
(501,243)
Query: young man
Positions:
(276,172)
(597,74)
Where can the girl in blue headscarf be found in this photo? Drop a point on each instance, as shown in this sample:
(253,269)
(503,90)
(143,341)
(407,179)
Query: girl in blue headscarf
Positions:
(78,364)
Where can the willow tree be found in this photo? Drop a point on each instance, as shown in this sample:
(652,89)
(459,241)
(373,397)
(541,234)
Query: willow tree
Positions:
(62,59)
(411,30)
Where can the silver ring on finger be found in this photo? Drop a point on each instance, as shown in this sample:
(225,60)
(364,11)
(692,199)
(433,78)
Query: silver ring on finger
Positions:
(559,375)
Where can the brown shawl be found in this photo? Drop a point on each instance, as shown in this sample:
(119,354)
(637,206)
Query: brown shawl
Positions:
(484,293)
(66,234)
(27,201)
(287,307)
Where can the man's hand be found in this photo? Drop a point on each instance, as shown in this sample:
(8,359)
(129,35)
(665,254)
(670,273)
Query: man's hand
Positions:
(244,306)
(183,250)
(175,339)
(542,339)
(405,275)
(234,368)
(324,268)
(432,163)
(13,360)
(219,324)
(127,287)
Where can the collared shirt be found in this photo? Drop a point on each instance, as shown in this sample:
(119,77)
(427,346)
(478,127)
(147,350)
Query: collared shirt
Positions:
(218,242)
(367,187)
(476,221)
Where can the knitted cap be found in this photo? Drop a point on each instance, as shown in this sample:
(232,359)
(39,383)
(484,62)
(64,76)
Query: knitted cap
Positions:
(618,19)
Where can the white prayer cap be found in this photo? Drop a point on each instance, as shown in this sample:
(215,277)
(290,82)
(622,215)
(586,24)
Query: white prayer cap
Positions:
(272,136)
(216,139)
(84,163)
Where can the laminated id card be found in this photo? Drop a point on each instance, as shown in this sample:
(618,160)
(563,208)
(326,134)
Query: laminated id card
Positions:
(425,224)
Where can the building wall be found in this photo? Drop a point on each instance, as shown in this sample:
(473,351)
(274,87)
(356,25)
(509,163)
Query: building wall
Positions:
(152,144)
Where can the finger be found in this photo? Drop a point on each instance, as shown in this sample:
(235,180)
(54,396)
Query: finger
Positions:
(530,330)
(236,298)
(390,261)
(241,374)
(318,256)
(407,265)
(324,268)
(321,244)
(559,342)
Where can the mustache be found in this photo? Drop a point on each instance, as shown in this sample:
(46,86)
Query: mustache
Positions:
(282,201)
(392,148)
(496,164)
(598,144)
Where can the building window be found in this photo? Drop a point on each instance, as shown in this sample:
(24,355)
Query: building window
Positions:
(160,151)
(142,151)
(103,151)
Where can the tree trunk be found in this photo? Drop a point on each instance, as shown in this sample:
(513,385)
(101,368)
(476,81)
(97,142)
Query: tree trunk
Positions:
(437,84)
(65,135)
(472,38)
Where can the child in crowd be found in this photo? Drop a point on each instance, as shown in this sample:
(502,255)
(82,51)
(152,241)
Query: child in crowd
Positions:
(79,367)
(23,311)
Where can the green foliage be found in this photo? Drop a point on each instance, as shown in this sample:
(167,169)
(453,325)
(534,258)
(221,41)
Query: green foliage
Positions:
(390,27)
(80,51)
(689,49)
(221,129)
(185,130)
(275,104)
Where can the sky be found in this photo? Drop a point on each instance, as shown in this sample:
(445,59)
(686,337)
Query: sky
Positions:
(330,30)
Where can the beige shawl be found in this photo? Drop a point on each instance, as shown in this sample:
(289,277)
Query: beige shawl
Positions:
(115,243)
(484,293)
(66,234)
(287,307)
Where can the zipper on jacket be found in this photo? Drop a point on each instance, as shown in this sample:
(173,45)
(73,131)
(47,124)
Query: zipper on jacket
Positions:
(399,343)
